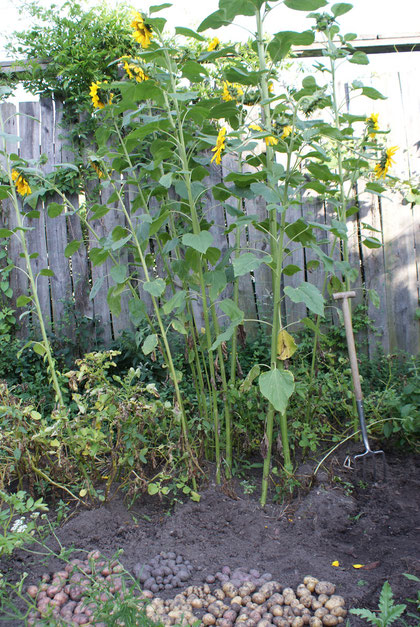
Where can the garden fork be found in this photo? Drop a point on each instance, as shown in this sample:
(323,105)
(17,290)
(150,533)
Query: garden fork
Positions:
(368,453)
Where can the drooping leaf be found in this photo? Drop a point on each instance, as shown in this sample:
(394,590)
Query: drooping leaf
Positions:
(46,272)
(54,209)
(72,248)
(286,345)
(269,194)
(372,93)
(159,7)
(22,300)
(247,262)
(199,242)
(360,58)
(277,386)
(150,344)
(281,43)
(5,233)
(341,8)
(137,311)
(155,288)
(305,5)
(96,287)
(187,32)
(230,308)
(114,299)
(177,302)
(223,337)
(98,256)
(308,294)
(119,273)
(216,280)
(250,378)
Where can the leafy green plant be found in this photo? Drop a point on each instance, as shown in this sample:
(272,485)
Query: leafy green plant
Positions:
(387,612)
(19,520)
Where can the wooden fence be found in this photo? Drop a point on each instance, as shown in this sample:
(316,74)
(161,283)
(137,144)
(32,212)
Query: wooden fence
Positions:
(391,270)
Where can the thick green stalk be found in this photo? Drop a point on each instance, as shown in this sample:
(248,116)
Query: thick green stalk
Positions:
(277,252)
(34,294)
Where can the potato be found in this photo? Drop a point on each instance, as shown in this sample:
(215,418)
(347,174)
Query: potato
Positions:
(280,622)
(263,623)
(334,601)
(315,622)
(246,599)
(339,611)
(321,612)
(310,582)
(32,591)
(258,597)
(197,604)
(247,589)
(219,594)
(230,590)
(288,592)
(230,615)
(325,587)
(298,622)
(224,622)
(214,609)
(306,600)
(236,600)
(323,598)
(275,599)
(329,620)
(270,588)
(276,610)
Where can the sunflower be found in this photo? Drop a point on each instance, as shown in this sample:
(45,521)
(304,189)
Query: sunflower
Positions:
(22,185)
(270,140)
(213,44)
(381,168)
(231,92)
(372,124)
(220,145)
(142,31)
(286,131)
(97,169)
(93,92)
(134,71)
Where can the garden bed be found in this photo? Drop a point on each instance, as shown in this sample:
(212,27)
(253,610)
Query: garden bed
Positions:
(339,518)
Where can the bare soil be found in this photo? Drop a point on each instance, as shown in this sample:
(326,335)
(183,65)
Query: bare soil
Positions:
(335,516)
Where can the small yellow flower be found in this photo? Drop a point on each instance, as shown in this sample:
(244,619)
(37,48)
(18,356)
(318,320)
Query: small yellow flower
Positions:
(213,44)
(286,132)
(22,185)
(231,92)
(335,563)
(134,71)
(357,565)
(142,31)
(255,127)
(381,168)
(372,124)
(220,145)
(270,88)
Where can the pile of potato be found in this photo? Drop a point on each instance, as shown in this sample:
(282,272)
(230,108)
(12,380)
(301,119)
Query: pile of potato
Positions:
(74,594)
(313,603)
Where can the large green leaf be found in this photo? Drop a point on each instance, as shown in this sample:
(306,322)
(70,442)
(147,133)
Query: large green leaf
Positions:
(98,256)
(118,273)
(360,58)
(242,75)
(232,311)
(155,288)
(187,32)
(341,8)
(277,386)
(247,262)
(373,93)
(195,72)
(281,43)
(54,209)
(114,299)
(223,337)
(150,344)
(72,248)
(199,242)
(308,294)
(214,20)
(176,302)
(305,5)
(216,280)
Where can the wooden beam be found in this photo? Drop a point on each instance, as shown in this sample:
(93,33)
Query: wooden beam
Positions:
(370,44)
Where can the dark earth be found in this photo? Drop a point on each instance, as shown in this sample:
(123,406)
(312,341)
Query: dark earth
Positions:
(333,516)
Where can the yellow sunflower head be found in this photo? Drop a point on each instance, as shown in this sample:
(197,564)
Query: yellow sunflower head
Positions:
(142,32)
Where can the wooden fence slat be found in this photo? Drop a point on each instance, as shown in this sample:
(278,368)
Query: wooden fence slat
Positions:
(17,279)
(294,311)
(29,130)
(56,228)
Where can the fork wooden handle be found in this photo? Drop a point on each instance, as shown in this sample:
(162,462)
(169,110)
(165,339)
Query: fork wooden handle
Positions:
(344,296)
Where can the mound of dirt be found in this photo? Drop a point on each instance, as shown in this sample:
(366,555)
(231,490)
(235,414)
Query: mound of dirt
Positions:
(338,518)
